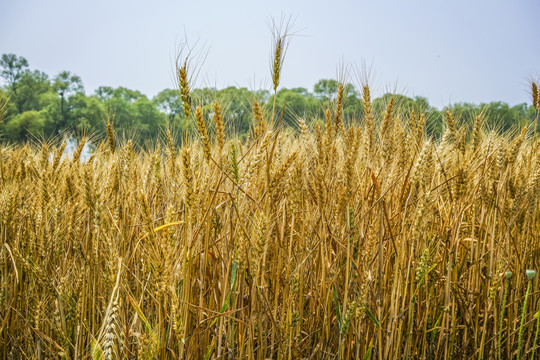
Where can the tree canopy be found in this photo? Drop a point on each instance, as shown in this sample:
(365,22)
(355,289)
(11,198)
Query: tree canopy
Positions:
(36,105)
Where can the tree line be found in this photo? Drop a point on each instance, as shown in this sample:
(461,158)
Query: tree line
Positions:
(40,106)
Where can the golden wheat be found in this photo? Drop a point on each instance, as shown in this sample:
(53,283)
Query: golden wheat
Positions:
(330,243)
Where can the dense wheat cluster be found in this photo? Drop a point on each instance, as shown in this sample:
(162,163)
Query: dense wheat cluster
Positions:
(350,241)
(341,239)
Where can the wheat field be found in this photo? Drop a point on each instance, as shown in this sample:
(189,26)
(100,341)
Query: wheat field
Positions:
(339,239)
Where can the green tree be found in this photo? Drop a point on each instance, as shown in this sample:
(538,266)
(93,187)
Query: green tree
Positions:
(353,108)
(169,102)
(4,110)
(32,89)
(7,107)
(66,84)
(148,120)
(13,68)
(88,114)
(106,92)
(131,112)
(24,125)
(24,86)
(499,116)
(236,106)
(297,102)
(325,89)
(502,116)
(120,111)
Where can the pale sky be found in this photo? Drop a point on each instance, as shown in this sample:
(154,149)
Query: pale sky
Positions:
(448,51)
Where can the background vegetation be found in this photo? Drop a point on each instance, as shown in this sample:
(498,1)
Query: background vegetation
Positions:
(43,107)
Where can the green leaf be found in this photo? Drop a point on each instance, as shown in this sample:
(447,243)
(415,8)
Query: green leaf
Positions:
(233,284)
(210,350)
(367,355)
(233,273)
(336,301)
(97,352)
(140,313)
(372,317)
(421,282)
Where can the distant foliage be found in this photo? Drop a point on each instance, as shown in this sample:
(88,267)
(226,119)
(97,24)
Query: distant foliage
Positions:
(63,106)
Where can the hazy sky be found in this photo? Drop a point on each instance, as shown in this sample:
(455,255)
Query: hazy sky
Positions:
(448,51)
